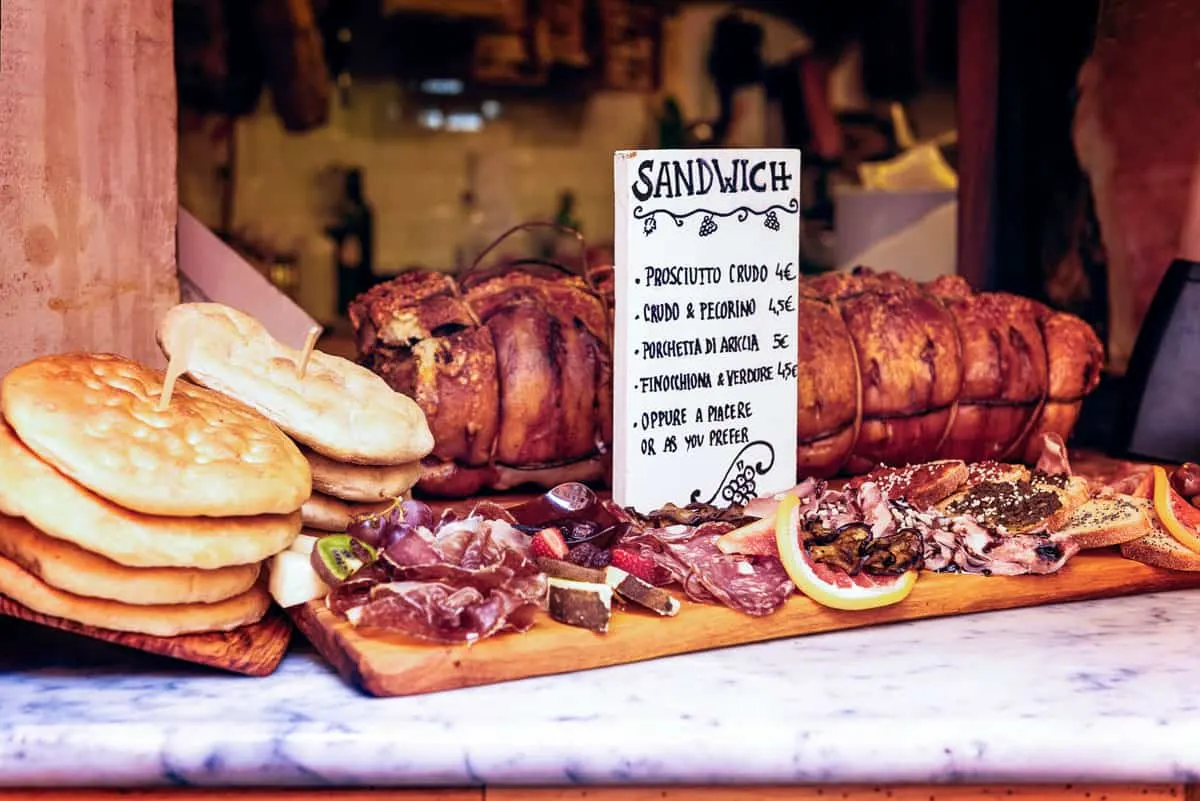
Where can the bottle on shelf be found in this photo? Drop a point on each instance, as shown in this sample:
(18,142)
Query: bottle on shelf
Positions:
(353,235)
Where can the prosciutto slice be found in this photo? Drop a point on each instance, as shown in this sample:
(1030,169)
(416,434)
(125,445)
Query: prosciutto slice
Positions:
(754,585)
(439,612)
(472,579)
(1053,460)
(949,543)
(959,544)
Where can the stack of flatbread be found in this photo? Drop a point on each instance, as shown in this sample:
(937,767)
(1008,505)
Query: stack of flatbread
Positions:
(363,440)
(117,514)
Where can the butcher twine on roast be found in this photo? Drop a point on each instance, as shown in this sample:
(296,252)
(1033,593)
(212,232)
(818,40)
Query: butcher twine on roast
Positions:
(513,369)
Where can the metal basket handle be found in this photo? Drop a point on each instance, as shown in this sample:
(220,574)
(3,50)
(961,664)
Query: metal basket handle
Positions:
(584,271)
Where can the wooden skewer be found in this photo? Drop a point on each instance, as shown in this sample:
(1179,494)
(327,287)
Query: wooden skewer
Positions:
(177,365)
(310,342)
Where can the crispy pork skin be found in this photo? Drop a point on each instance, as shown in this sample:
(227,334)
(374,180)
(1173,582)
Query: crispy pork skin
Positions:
(514,371)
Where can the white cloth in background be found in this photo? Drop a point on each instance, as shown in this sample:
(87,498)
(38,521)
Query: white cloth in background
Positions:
(921,250)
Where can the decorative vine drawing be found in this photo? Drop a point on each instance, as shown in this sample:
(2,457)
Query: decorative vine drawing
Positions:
(739,485)
(708,223)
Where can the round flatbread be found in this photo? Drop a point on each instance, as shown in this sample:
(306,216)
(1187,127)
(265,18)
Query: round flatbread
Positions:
(339,409)
(330,514)
(59,507)
(361,483)
(155,621)
(95,418)
(71,569)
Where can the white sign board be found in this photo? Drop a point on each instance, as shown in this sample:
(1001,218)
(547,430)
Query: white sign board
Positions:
(707,271)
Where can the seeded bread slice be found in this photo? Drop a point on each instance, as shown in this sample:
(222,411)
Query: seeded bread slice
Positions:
(1160,549)
(920,485)
(997,471)
(1015,500)
(1103,522)
(1073,493)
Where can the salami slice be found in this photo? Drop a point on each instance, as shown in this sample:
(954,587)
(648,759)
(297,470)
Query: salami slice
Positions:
(755,585)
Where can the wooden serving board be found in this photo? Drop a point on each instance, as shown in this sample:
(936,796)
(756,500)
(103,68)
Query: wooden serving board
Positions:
(387,665)
(254,650)
(384,664)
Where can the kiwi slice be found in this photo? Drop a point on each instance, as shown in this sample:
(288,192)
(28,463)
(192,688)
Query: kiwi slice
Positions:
(337,557)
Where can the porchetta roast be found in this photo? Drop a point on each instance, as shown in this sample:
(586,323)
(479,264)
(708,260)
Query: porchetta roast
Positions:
(513,368)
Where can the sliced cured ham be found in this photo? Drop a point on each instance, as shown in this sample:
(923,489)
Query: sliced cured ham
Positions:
(892,500)
(1135,133)
(920,485)
(756,586)
(1054,460)
(472,579)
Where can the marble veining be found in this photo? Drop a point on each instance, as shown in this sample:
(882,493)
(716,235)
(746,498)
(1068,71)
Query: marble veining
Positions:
(1099,691)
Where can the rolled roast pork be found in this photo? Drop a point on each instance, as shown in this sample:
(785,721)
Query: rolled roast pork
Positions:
(512,368)
(514,371)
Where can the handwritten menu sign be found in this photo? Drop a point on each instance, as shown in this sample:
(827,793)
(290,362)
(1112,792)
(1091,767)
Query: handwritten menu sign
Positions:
(707,255)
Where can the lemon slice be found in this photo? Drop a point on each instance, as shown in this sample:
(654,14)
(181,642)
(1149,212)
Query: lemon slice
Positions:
(825,585)
(1179,518)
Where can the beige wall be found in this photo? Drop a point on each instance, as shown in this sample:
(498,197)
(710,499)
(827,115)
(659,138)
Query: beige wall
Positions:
(415,179)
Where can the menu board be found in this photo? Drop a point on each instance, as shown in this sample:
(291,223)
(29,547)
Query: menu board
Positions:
(707,273)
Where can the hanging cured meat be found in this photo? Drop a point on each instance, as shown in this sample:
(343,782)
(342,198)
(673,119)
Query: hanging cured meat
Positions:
(294,55)
(1135,132)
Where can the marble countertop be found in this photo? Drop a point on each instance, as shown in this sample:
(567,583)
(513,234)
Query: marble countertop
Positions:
(1101,691)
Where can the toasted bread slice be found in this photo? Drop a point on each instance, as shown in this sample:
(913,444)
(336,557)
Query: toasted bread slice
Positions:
(921,485)
(1160,549)
(1102,522)
(1015,500)
(1073,493)
(996,471)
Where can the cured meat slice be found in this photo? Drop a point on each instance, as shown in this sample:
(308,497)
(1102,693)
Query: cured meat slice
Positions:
(1135,135)
(430,611)
(474,578)
(1054,460)
(960,545)
(756,586)
(949,542)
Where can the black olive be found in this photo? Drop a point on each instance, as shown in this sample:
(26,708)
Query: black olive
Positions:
(1051,551)
(1186,479)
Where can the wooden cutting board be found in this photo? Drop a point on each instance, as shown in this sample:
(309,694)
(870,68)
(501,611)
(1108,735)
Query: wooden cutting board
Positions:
(387,665)
(254,650)
(384,664)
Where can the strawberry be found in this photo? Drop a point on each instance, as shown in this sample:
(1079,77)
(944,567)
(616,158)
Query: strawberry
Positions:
(636,564)
(549,543)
